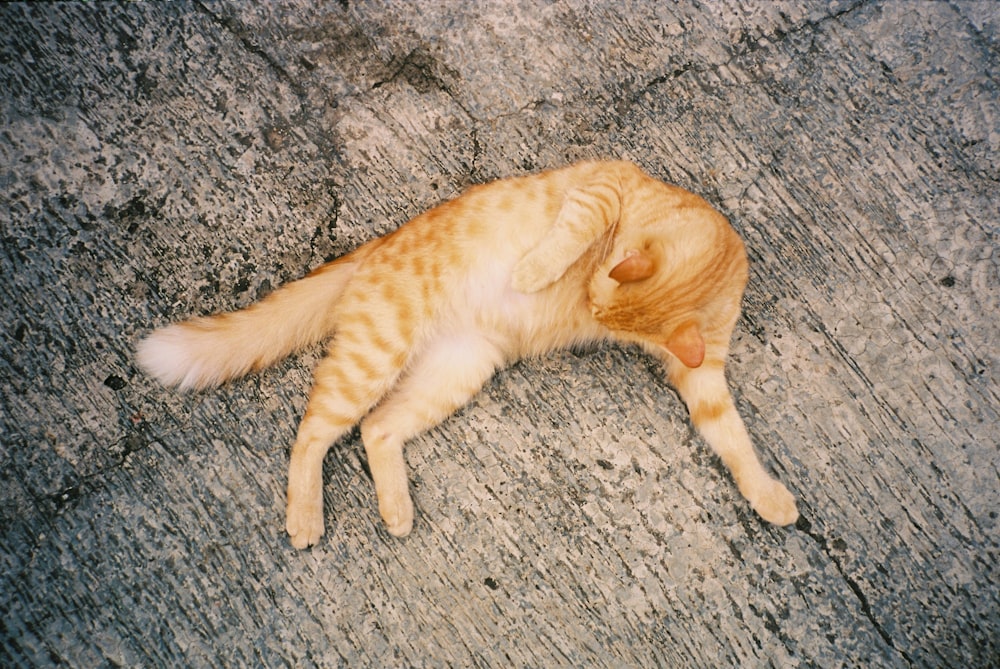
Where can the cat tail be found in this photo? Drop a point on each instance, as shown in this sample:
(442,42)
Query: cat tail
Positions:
(208,351)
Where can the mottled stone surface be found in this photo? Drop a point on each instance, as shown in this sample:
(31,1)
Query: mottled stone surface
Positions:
(160,160)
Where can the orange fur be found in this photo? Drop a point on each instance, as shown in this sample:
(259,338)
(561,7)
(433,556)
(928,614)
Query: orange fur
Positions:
(423,316)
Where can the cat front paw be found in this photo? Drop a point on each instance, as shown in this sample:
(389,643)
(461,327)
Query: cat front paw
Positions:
(532,273)
(304,522)
(528,277)
(774,503)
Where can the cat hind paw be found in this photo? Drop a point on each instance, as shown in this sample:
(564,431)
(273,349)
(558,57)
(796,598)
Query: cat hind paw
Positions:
(397,515)
(304,525)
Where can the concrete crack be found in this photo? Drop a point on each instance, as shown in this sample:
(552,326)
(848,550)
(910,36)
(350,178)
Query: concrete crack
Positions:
(234,28)
(805,526)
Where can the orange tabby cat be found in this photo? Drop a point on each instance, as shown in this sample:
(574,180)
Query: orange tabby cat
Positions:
(422,317)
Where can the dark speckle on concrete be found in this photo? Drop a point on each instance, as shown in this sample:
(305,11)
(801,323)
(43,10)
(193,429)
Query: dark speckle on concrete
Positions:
(115,382)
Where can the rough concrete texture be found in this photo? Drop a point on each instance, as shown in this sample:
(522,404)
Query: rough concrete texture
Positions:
(162,160)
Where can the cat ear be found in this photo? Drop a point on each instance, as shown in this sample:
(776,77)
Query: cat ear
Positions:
(687,345)
(636,266)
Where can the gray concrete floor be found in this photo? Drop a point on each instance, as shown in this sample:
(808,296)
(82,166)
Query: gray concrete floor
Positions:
(161,160)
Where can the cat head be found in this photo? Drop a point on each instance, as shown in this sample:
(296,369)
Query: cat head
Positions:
(673,275)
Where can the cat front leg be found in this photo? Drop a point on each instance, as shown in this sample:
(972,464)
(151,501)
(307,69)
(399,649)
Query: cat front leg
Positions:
(713,413)
(587,213)
(441,380)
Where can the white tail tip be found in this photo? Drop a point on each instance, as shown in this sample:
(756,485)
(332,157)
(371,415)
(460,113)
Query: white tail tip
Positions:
(176,356)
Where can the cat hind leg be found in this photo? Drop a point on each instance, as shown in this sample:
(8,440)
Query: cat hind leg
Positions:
(442,379)
(347,383)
